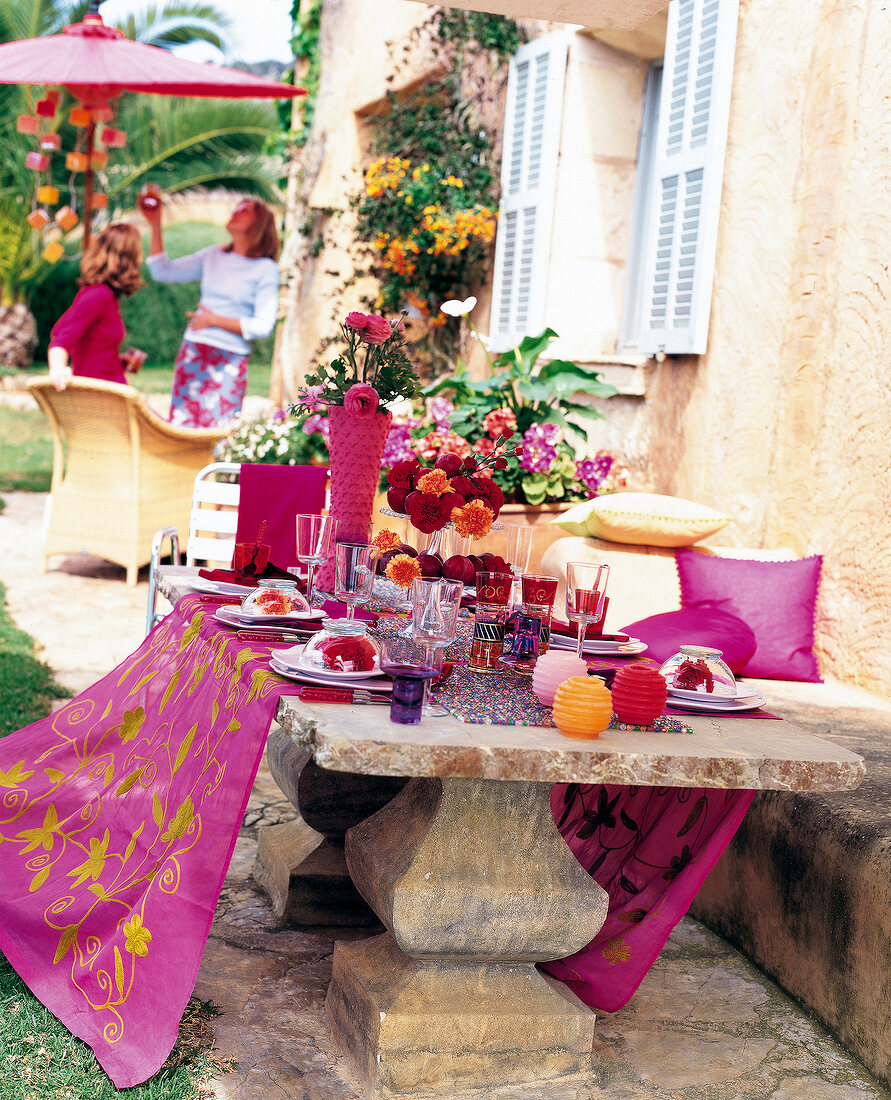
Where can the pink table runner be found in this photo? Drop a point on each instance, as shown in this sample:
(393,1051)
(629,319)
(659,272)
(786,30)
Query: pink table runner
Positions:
(118,819)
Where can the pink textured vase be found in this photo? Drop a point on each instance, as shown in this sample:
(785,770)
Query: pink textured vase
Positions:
(356,445)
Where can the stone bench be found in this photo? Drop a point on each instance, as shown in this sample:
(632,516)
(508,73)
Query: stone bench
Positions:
(804,888)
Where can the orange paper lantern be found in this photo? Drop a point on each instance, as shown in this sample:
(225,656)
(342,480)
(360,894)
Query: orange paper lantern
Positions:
(53,95)
(639,695)
(54,252)
(103,114)
(38,219)
(98,161)
(77,162)
(99,201)
(80,116)
(27,124)
(47,194)
(583,707)
(66,218)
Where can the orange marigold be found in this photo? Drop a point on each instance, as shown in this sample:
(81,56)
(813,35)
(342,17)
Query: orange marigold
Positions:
(435,483)
(474,520)
(386,540)
(403,570)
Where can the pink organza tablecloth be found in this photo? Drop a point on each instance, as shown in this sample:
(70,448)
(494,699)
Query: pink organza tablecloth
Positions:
(119,815)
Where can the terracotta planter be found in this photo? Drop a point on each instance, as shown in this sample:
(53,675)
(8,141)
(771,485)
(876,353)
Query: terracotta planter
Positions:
(356,445)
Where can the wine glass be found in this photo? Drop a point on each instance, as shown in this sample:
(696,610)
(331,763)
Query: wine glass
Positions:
(354,566)
(518,538)
(585,593)
(435,607)
(412,665)
(313,545)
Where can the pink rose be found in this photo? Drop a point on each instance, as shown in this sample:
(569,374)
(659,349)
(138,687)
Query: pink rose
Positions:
(361,401)
(377,329)
(358,321)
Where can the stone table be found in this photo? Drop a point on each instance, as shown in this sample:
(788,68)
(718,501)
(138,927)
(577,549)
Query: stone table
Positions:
(474,884)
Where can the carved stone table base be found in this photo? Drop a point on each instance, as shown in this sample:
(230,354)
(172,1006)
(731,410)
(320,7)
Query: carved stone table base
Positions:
(475,885)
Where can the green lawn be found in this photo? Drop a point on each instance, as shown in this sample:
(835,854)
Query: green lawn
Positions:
(26,451)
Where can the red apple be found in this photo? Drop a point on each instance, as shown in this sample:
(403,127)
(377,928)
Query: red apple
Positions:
(476,562)
(384,560)
(458,568)
(406,549)
(396,498)
(449,463)
(431,565)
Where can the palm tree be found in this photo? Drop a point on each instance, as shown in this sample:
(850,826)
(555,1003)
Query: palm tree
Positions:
(179,143)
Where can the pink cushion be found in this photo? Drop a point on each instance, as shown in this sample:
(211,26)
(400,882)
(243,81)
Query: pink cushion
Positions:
(776,598)
(706,624)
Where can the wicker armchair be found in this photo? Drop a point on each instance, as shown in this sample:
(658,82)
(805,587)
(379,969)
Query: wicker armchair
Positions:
(119,471)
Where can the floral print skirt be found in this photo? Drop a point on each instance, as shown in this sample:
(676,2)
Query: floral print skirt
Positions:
(208,385)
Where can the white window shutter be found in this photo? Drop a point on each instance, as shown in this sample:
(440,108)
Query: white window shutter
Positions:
(533,117)
(689,163)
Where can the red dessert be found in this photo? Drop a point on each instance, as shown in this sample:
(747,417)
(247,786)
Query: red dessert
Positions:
(347,654)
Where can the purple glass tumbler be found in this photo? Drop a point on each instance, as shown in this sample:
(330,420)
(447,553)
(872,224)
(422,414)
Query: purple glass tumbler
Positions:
(410,664)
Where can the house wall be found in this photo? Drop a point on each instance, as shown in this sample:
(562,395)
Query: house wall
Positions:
(784,422)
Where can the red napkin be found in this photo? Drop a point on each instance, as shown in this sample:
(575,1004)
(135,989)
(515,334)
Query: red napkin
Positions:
(229,576)
(277,494)
(570,630)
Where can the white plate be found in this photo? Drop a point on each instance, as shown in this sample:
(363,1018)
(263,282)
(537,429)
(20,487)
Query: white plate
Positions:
(234,623)
(232,617)
(290,658)
(302,677)
(743,691)
(592,648)
(219,588)
(713,707)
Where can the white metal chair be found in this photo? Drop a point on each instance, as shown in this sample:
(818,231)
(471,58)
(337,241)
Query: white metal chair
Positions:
(213,521)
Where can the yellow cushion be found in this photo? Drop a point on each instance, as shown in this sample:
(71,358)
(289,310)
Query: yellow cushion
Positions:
(644,519)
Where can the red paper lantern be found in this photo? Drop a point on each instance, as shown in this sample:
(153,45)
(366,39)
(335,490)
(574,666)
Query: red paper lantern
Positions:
(45,108)
(113,138)
(51,142)
(639,695)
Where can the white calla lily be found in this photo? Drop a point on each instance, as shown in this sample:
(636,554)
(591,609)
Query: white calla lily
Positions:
(454,307)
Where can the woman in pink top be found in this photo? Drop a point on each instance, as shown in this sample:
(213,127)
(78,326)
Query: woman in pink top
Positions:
(85,340)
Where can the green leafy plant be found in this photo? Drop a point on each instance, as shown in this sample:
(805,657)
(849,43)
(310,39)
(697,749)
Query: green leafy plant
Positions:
(536,400)
(277,438)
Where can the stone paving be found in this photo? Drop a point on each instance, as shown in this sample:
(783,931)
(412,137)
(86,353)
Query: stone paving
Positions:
(704,1025)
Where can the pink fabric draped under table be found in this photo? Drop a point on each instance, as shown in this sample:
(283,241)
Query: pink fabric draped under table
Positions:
(121,810)
(118,820)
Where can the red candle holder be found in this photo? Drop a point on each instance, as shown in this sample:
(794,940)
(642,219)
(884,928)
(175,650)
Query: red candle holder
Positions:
(639,695)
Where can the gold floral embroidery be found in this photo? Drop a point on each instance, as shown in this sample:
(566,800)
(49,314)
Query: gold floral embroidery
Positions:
(616,951)
(138,936)
(45,835)
(94,864)
(15,776)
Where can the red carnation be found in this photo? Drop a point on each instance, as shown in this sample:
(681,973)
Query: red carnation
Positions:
(469,463)
(500,463)
(400,475)
(489,491)
(463,485)
(426,512)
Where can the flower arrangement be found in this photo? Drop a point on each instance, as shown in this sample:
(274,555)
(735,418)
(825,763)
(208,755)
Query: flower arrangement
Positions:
(520,398)
(373,369)
(276,438)
(457,491)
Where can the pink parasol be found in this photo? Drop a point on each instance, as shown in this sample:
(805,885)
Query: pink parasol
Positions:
(96,63)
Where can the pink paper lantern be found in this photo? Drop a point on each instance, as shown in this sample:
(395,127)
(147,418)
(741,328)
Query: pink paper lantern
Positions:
(37,162)
(27,124)
(551,669)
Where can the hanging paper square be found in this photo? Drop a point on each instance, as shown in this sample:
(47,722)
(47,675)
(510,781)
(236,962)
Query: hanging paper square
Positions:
(66,218)
(45,108)
(37,162)
(99,201)
(79,116)
(77,162)
(51,142)
(114,139)
(38,219)
(103,114)
(98,160)
(48,194)
(27,124)
(53,252)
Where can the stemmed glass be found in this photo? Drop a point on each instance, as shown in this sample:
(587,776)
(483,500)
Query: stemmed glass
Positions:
(354,566)
(585,592)
(519,545)
(313,545)
(435,607)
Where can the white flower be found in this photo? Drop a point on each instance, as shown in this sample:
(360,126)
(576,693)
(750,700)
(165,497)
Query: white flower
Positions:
(455,308)
(484,340)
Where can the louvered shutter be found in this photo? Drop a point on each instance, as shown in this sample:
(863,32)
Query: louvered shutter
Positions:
(533,117)
(682,221)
